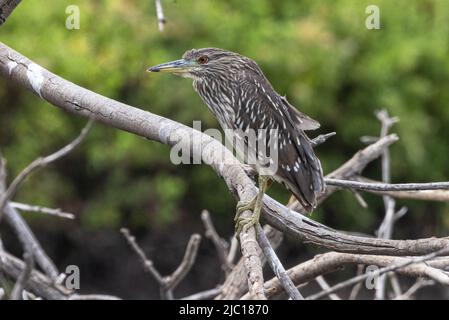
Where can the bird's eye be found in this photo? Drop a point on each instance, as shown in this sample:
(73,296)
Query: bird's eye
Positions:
(202,60)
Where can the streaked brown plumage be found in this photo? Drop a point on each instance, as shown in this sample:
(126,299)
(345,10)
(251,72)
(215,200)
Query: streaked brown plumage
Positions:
(241,98)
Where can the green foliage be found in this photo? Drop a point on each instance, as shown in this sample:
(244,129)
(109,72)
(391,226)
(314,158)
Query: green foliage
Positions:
(318,53)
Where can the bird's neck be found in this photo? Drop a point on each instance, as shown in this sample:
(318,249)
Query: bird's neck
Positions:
(220,99)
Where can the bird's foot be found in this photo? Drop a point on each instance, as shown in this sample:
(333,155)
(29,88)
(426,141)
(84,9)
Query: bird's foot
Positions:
(243,206)
(243,223)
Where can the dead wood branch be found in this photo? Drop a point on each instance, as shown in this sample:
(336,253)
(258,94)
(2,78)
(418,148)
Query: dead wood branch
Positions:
(401,263)
(161,21)
(50,211)
(167,283)
(277,266)
(333,261)
(221,246)
(42,162)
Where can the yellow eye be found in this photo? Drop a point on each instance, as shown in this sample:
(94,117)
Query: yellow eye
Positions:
(202,60)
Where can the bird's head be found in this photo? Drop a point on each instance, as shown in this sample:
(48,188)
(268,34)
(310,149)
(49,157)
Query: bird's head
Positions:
(201,63)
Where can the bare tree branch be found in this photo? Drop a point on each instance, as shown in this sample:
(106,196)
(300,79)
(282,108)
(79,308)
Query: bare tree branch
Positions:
(161,21)
(220,244)
(50,211)
(204,295)
(29,240)
(427,195)
(147,264)
(322,138)
(23,278)
(167,283)
(386,228)
(419,284)
(387,186)
(252,261)
(13,218)
(356,288)
(232,251)
(277,266)
(433,273)
(93,297)
(333,261)
(235,284)
(42,162)
(38,283)
(325,286)
(187,261)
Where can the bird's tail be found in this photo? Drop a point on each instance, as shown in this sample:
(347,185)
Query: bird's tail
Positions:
(308,181)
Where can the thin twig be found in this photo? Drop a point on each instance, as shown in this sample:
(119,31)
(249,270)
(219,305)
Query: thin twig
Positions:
(379,272)
(386,186)
(50,211)
(325,286)
(204,295)
(359,199)
(234,248)
(30,244)
(38,283)
(28,239)
(386,228)
(356,288)
(167,283)
(21,282)
(147,264)
(369,139)
(321,139)
(420,283)
(277,266)
(397,290)
(161,21)
(333,261)
(426,195)
(187,261)
(93,297)
(42,162)
(221,246)
(400,213)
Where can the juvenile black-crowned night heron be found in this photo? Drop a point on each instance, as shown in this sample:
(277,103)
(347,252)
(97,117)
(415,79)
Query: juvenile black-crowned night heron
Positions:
(245,104)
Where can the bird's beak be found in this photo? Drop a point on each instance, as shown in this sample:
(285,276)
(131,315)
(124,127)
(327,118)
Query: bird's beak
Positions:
(177,66)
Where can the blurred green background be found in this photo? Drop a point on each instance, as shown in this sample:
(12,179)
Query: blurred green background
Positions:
(318,53)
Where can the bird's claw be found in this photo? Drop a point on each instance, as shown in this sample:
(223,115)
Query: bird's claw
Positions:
(244,223)
(243,206)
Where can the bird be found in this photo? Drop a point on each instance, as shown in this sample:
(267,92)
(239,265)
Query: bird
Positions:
(241,98)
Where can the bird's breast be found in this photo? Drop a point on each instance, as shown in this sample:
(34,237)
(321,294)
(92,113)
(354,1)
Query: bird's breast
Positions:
(220,101)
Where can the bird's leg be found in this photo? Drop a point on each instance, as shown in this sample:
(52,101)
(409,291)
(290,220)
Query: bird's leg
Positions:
(255,205)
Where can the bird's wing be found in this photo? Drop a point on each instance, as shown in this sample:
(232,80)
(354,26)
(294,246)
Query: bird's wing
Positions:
(299,169)
(303,121)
